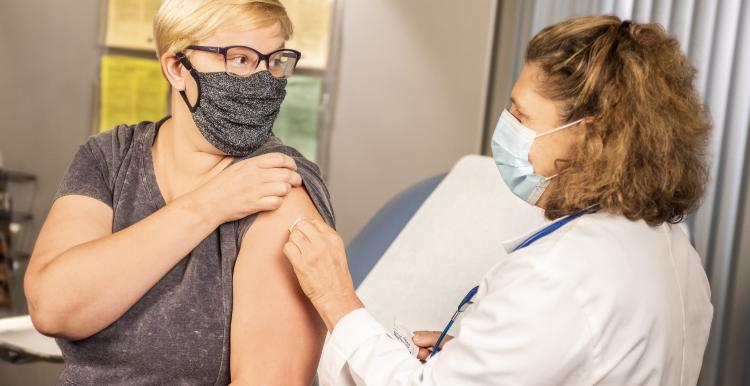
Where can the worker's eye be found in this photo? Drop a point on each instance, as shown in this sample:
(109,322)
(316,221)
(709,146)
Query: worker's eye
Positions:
(517,114)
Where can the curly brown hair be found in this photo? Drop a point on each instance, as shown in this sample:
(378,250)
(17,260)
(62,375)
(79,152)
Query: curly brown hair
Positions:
(643,152)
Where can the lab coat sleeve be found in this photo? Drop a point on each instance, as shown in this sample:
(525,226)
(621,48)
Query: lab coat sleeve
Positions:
(358,332)
(526,328)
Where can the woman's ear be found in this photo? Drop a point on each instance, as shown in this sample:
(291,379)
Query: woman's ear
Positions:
(584,125)
(173,70)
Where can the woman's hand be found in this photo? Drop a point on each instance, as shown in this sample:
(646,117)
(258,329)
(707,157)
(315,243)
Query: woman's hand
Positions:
(317,255)
(426,340)
(250,186)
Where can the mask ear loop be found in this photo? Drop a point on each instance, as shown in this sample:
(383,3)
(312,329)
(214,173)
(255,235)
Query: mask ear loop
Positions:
(563,127)
(186,63)
(542,186)
(539,190)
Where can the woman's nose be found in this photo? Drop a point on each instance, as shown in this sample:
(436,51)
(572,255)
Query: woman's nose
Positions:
(262,66)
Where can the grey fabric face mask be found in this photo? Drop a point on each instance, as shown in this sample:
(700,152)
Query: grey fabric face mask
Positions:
(235,114)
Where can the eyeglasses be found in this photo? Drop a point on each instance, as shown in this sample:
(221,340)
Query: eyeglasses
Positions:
(243,61)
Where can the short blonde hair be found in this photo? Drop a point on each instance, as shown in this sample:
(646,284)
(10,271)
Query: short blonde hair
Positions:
(180,23)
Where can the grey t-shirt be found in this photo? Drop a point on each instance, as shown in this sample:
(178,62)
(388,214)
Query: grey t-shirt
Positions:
(178,333)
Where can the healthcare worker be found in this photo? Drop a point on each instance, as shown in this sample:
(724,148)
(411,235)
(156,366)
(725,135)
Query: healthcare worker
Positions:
(605,132)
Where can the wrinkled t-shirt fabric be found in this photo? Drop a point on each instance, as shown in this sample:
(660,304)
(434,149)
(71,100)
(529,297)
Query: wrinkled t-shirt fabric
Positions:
(178,333)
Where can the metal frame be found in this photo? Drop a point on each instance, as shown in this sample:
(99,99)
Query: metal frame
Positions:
(329,89)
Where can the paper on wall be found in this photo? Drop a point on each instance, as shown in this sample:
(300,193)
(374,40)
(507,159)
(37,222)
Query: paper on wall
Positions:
(132,90)
(312,28)
(130,24)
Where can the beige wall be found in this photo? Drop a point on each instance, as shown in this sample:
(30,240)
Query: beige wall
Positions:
(410,99)
(48,66)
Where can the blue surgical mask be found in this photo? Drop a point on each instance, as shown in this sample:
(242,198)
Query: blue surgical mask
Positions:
(511,143)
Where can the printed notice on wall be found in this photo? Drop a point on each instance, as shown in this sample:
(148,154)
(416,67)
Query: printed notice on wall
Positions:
(130,24)
(312,29)
(132,90)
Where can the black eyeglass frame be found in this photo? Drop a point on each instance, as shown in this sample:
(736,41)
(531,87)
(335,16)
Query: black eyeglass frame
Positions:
(263,57)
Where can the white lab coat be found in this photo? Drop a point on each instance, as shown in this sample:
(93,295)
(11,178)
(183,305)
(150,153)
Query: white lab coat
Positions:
(601,301)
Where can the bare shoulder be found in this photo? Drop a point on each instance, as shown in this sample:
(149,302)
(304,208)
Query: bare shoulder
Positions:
(274,225)
(264,279)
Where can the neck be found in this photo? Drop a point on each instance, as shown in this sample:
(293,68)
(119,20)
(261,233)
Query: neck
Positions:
(181,161)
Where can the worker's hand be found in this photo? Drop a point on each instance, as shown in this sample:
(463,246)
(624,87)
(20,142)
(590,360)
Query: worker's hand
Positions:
(318,257)
(426,340)
(249,186)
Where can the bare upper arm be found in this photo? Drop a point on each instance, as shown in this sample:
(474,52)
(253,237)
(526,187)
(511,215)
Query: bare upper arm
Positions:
(276,333)
(72,220)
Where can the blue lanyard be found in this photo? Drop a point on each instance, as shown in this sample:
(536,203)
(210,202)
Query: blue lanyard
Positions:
(469,296)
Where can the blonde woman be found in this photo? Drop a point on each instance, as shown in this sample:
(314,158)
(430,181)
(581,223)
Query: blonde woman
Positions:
(605,132)
(165,240)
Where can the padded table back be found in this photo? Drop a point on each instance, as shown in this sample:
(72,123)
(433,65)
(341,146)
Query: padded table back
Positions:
(446,247)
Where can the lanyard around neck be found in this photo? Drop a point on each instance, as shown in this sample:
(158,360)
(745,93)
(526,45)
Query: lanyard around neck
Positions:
(467,300)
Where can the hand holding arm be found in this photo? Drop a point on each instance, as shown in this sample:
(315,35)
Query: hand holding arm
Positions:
(82,277)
